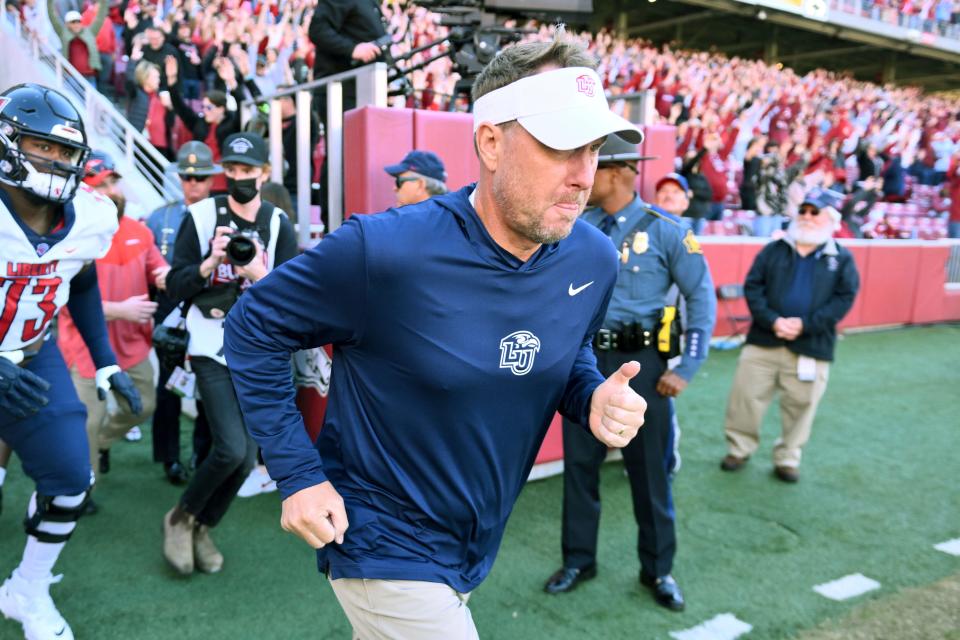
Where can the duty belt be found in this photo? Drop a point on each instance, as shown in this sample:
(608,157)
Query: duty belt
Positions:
(632,337)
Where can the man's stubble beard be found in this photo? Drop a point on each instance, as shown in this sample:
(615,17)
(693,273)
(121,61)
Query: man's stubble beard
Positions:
(521,216)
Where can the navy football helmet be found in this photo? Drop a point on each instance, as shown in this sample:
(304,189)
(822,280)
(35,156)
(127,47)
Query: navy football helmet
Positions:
(40,112)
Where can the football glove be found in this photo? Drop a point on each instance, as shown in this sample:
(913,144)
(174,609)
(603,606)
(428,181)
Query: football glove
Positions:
(113,377)
(22,392)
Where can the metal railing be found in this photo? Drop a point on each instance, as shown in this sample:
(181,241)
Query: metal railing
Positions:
(953,265)
(636,107)
(103,119)
(371,90)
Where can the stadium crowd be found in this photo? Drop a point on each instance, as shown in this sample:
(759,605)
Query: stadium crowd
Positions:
(752,137)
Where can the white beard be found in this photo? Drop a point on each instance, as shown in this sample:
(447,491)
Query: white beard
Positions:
(814,237)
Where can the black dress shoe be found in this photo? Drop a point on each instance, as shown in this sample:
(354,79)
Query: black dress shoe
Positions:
(104,458)
(665,591)
(567,578)
(176,473)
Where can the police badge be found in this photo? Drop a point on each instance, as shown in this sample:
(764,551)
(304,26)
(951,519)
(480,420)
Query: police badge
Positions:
(641,242)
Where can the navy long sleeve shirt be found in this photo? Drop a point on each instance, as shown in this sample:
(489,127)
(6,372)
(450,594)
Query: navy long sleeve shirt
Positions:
(450,358)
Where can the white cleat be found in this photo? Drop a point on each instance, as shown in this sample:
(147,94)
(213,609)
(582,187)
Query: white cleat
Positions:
(29,603)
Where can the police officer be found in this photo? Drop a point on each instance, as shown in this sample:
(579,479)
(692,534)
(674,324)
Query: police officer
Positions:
(196,169)
(656,250)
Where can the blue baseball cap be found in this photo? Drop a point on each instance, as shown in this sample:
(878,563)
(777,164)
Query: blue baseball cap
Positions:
(820,198)
(426,163)
(674,177)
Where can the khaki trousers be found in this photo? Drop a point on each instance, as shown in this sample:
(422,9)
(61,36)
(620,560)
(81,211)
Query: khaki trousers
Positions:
(761,372)
(103,428)
(404,610)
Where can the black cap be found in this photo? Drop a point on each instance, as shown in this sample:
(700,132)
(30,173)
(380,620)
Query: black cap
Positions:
(245,148)
(196,159)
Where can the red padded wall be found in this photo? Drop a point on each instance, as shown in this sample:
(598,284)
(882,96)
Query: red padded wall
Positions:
(929,301)
(951,305)
(450,136)
(552,447)
(888,282)
(372,138)
(724,262)
(660,141)
(860,256)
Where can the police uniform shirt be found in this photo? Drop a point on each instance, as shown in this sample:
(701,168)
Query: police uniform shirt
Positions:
(651,259)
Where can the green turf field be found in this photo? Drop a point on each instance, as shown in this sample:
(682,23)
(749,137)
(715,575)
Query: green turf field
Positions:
(879,487)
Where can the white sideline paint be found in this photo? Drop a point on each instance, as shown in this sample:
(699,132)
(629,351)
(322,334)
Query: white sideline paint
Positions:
(950,546)
(847,587)
(724,626)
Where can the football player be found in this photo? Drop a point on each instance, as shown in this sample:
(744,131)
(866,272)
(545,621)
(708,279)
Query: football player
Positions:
(52,228)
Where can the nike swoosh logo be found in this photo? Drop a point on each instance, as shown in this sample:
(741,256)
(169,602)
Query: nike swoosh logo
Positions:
(70,250)
(572,292)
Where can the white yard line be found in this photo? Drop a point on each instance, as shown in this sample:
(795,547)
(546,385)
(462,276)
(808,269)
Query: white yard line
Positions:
(847,587)
(724,626)
(950,546)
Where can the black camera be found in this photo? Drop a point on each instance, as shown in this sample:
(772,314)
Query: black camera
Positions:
(242,248)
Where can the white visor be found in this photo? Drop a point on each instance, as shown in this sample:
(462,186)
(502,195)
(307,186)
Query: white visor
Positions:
(564,109)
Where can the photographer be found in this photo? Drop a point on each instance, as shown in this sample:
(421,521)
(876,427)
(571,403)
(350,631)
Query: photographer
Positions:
(224,245)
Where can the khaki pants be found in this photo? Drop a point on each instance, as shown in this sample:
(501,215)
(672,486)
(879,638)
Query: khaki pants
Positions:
(761,372)
(104,429)
(404,610)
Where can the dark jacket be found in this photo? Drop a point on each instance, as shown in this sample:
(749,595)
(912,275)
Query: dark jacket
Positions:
(869,167)
(836,282)
(699,206)
(748,185)
(894,183)
(138,101)
(337,27)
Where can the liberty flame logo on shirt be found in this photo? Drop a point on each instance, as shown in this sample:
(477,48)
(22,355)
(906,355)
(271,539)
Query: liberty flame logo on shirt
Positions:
(517,352)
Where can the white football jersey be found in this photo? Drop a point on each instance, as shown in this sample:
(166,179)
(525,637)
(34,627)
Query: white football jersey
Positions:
(33,288)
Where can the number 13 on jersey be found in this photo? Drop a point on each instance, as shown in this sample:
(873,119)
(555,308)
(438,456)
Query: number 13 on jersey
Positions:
(28,307)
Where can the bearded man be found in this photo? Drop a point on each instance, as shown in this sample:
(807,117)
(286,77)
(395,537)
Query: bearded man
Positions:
(798,289)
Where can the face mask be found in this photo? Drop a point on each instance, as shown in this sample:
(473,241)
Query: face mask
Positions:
(243,191)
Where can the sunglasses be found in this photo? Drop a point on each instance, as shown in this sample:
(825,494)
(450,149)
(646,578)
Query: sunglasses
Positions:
(810,211)
(399,181)
(194,178)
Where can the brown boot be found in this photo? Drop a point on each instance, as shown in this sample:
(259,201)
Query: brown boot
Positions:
(205,554)
(178,528)
(732,463)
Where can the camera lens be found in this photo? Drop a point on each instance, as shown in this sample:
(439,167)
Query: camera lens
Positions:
(240,250)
